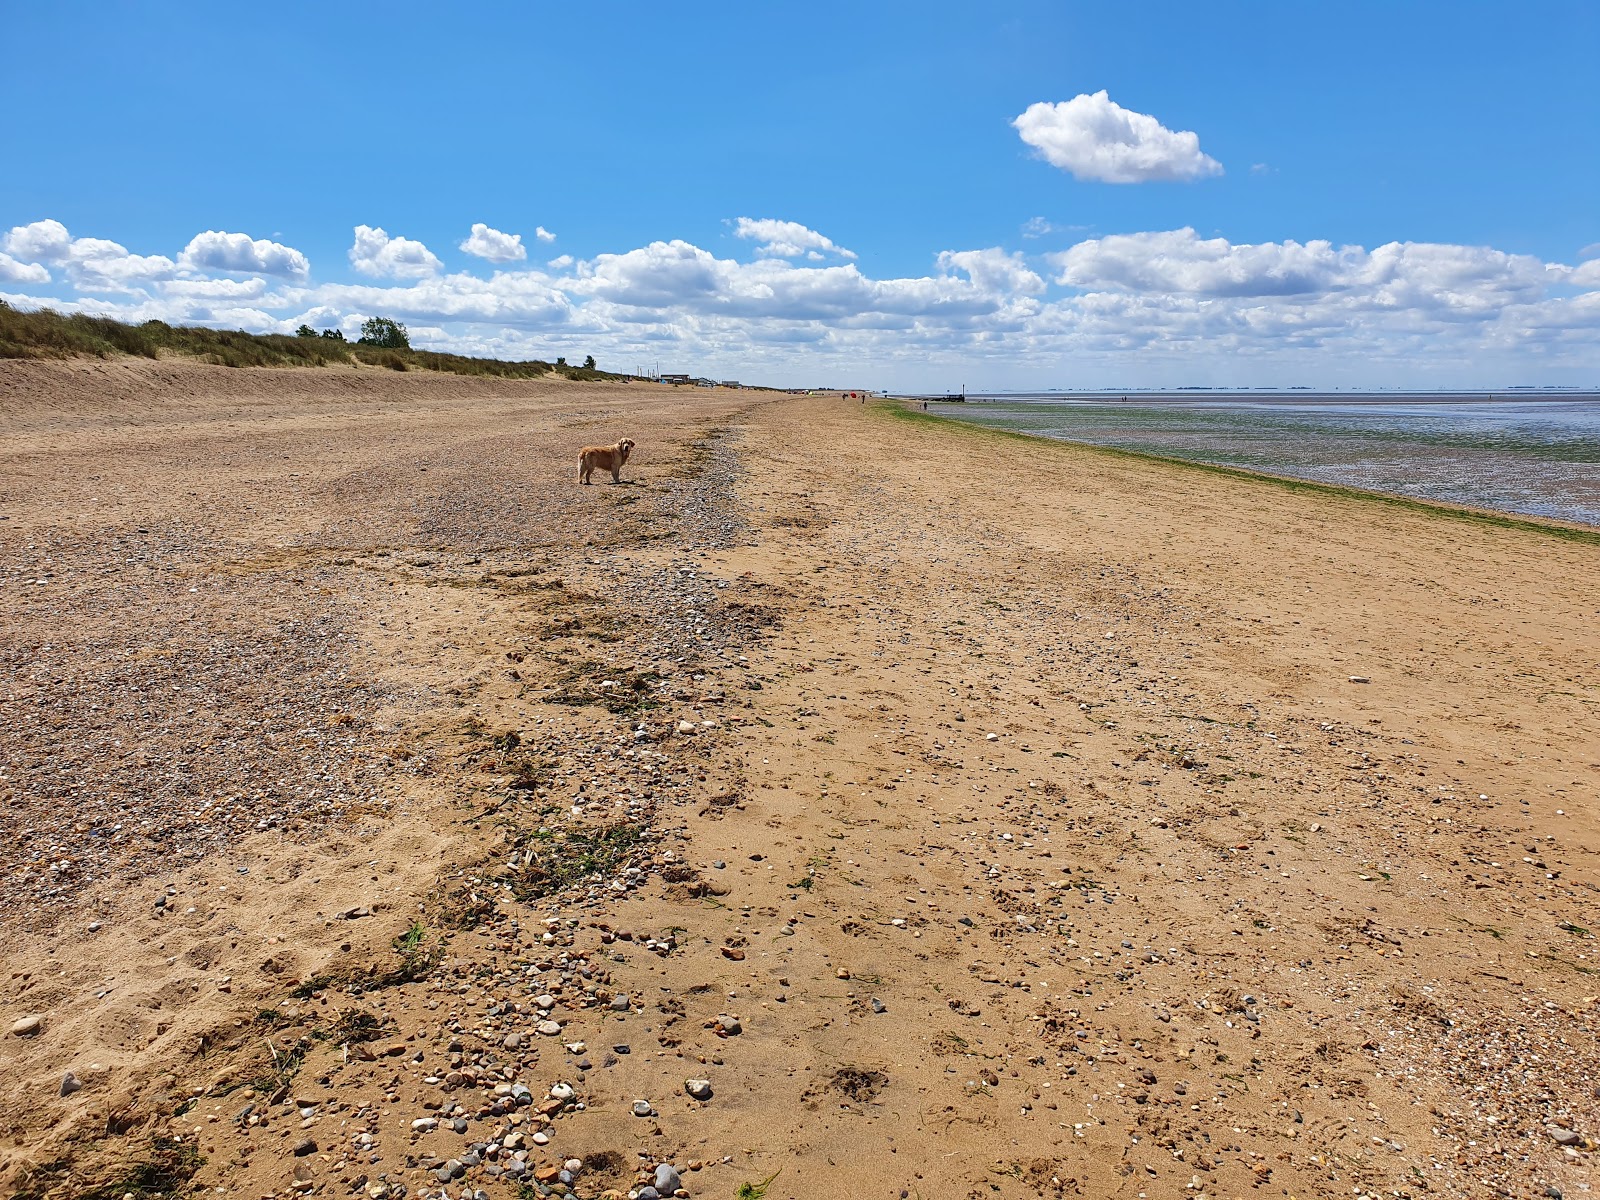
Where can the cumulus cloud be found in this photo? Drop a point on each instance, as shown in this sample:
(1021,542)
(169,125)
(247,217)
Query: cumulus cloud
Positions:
(1180,261)
(12,271)
(1585,274)
(1095,138)
(98,263)
(1168,306)
(787,239)
(376,253)
(543,234)
(993,270)
(215,289)
(214,250)
(89,262)
(1395,275)
(495,246)
(39,242)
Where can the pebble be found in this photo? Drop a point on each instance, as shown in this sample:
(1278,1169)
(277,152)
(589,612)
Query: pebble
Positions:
(28,1026)
(70,1083)
(304,1147)
(667,1180)
(425,1124)
(642,1108)
(700,1089)
(878,1006)
(620,1004)
(513,1040)
(1563,1136)
(549,1028)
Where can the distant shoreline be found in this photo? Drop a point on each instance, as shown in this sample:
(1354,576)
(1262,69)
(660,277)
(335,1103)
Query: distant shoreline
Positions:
(1565,528)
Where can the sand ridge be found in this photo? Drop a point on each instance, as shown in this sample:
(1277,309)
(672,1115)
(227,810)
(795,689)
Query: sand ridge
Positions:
(1018,814)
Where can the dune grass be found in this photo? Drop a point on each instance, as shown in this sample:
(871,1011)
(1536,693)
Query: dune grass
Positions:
(48,334)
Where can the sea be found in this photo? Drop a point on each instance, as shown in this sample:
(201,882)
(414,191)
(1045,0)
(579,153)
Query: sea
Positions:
(1532,453)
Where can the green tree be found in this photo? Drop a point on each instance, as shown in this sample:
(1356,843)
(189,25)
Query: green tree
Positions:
(381,331)
(588,363)
(336,335)
(305,331)
(562,361)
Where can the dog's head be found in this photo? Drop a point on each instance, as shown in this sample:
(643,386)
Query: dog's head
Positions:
(625,448)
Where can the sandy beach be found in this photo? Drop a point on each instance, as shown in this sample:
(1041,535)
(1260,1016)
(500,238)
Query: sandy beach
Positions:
(868,805)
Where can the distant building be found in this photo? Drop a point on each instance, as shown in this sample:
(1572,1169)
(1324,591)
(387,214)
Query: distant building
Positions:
(674,379)
(733,383)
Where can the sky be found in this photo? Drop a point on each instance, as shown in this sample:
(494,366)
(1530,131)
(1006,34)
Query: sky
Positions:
(912,196)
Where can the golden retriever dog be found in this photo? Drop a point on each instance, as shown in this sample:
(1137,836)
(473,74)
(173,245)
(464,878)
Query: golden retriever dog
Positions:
(604,458)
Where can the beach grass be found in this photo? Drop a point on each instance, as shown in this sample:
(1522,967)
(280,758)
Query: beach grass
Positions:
(901,411)
(45,333)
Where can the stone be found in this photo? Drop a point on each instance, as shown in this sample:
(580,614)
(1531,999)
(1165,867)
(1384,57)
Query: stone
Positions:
(1564,1136)
(304,1147)
(667,1180)
(729,1025)
(512,1041)
(642,1108)
(29,1026)
(700,1089)
(425,1124)
(549,1028)
(620,1004)
(70,1083)
(878,1006)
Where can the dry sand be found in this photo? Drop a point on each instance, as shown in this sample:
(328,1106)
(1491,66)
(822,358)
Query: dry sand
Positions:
(979,817)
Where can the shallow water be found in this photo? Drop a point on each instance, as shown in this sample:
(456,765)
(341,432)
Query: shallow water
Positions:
(1534,453)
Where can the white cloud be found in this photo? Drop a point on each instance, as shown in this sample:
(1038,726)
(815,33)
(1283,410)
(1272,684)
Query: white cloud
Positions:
(39,242)
(993,270)
(12,271)
(215,289)
(1396,275)
(98,263)
(376,253)
(787,239)
(89,262)
(524,299)
(495,246)
(543,234)
(1585,274)
(214,250)
(1160,307)
(1095,138)
(1180,261)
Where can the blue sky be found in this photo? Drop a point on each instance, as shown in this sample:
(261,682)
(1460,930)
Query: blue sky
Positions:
(896,195)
